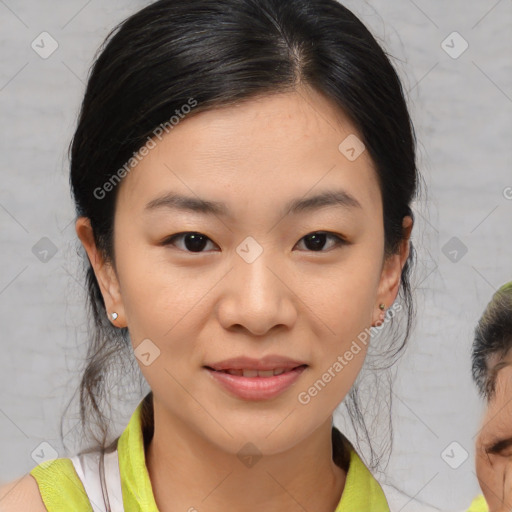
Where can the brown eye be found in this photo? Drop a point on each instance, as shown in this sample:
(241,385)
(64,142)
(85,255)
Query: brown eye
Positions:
(316,241)
(192,241)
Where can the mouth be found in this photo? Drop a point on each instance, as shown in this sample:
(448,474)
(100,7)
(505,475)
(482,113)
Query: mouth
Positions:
(250,373)
(251,384)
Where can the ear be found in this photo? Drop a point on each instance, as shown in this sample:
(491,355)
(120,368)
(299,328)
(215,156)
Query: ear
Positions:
(392,271)
(104,272)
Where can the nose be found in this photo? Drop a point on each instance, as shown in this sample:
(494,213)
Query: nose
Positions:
(257,296)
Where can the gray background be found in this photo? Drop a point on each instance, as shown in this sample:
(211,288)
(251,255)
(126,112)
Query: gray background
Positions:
(461,108)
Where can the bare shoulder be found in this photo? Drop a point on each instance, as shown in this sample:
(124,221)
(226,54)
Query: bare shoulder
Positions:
(21,495)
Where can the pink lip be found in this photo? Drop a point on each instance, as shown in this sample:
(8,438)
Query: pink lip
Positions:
(257,388)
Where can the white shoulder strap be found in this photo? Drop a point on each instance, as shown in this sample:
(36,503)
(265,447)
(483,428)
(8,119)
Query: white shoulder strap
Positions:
(87,468)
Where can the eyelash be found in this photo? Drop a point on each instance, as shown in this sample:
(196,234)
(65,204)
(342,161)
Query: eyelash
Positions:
(504,452)
(340,241)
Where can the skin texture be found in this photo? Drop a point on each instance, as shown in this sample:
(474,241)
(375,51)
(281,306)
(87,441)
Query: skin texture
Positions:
(200,308)
(21,495)
(494,470)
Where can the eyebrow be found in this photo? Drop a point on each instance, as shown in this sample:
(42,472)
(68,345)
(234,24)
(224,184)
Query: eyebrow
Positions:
(339,198)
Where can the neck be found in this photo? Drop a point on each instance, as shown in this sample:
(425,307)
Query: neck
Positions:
(189,473)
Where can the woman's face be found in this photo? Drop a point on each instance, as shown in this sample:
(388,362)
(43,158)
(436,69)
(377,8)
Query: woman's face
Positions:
(494,446)
(257,282)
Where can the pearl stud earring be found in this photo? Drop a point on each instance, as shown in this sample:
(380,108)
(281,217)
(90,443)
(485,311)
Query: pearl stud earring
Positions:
(114,315)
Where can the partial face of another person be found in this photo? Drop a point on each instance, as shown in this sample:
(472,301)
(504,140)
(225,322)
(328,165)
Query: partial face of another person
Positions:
(250,276)
(494,446)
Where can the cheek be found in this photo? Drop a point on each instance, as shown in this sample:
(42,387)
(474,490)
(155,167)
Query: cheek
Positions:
(347,297)
(153,292)
(344,304)
(490,478)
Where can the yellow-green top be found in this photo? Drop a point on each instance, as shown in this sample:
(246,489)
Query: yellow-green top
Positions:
(62,489)
(478,505)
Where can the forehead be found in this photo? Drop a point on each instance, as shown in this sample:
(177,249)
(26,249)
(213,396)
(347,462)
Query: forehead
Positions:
(271,144)
(504,382)
(498,415)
